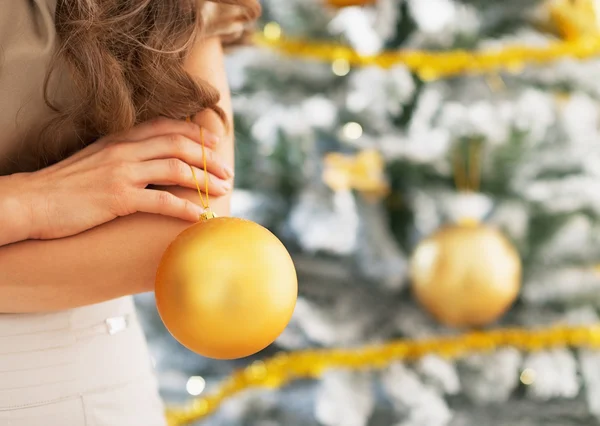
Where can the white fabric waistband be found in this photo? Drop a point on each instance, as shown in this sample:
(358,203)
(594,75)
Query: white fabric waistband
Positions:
(49,357)
(73,319)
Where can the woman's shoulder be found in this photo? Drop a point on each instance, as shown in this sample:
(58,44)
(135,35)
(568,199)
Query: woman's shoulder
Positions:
(27,43)
(26,33)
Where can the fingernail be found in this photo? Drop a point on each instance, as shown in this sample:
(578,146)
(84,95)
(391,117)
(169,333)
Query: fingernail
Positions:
(226,186)
(213,140)
(209,142)
(210,139)
(228,171)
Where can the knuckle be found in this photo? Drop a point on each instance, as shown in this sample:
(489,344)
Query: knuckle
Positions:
(194,126)
(114,151)
(118,178)
(164,199)
(118,204)
(188,206)
(175,139)
(211,156)
(158,122)
(177,168)
(120,194)
(178,144)
(123,172)
(116,184)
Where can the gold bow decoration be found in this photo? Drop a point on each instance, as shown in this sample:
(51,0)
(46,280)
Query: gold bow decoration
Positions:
(569,19)
(363,172)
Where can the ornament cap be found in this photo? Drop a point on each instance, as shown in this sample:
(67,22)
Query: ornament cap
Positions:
(208,214)
(468,207)
(468,222)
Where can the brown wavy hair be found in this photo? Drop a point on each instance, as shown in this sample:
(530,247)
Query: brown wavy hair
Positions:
(125,61)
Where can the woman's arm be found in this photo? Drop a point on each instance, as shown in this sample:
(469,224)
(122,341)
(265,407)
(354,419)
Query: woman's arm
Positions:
(121,256)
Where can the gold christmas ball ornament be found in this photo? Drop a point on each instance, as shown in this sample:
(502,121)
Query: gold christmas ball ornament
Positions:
(466,275)
(226,288)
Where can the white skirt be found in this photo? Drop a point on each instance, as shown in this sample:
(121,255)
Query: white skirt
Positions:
(83,367)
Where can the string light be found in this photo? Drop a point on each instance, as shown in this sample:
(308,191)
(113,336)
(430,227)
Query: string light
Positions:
(528,376)
(352,131)
(272,31)
(195,385)
(340,67)
(284,368)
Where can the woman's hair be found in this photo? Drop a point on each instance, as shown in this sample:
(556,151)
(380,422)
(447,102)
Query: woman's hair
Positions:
(125,62)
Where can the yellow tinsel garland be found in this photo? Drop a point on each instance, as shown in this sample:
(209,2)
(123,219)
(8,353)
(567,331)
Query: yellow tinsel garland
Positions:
(430,65)
(282,369)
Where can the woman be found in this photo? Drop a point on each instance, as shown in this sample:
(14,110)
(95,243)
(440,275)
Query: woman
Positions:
(95,181)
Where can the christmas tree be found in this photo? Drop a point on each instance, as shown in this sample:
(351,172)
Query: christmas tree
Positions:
(434,168)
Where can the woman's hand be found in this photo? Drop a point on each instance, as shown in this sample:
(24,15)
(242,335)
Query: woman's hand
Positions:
(111,178)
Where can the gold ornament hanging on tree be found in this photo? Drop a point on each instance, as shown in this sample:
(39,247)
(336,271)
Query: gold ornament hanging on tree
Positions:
(466,274)
(226,288)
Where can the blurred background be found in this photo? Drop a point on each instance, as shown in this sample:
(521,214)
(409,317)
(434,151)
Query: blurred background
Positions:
(433,167)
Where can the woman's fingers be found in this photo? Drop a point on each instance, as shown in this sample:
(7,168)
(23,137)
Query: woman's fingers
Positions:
(164,127)
(176,172)
(157,128)
(176,147)
(166,204)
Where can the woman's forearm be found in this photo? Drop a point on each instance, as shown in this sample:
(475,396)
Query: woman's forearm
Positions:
(13,217)
(120,257)
(112,260)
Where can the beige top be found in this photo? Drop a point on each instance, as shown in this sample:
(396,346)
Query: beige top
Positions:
(86,365)
(27,43)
